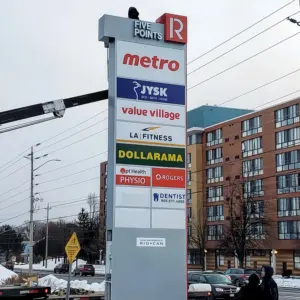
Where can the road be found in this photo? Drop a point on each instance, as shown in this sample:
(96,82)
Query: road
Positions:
(288,294)
(90,279)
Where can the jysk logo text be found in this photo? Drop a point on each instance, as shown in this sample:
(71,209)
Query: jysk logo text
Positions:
(150,91)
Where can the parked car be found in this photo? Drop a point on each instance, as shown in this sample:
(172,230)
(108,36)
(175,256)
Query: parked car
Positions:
(8,265)
(61,268)
(239,277)
(84,270)
(221,287)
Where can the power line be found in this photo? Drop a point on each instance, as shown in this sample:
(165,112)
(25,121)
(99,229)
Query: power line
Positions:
(15,171)
(239,45)
(72,135)
(243,61)
(239,33)
(22,214)
(21,154)
(15,195)
(14,188)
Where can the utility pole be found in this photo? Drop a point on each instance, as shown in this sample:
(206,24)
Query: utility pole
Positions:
(31,214)
(47,236)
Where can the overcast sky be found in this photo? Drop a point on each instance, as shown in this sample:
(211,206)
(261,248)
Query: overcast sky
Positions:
(49,50)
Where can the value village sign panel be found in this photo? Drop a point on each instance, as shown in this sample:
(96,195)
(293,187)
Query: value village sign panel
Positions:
(146,206)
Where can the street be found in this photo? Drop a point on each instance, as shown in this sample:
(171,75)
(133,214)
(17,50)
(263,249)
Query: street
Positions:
(288,294)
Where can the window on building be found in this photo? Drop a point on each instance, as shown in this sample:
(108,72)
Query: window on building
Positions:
(289,230)
(297,259)
(253,188)
(194,139)
(214,137)
(251,126)
(189,160)
(256,209)
(287,207)
(288,161)
(105,196)
(105,167)
(194,257)
(214,156)
(288,183)
(189,196)
(215,232)
(189,213)
(252,147)
(215,193)
(215,213)
(288,138)
(257,230)
(253,167)
(189,177)
(287,116)
(214,175)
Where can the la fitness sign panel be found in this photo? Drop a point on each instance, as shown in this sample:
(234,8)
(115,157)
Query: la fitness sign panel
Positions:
(146,194)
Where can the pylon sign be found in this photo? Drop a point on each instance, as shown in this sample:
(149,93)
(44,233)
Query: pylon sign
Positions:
(72,248)
(146,192)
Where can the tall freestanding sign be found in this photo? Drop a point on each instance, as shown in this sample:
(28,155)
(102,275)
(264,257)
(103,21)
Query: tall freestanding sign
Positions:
(146,192)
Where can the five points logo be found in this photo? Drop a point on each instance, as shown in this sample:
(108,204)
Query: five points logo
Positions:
(175,28)
(148,92)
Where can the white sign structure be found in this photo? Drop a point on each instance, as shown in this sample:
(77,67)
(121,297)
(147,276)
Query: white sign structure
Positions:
(150,242)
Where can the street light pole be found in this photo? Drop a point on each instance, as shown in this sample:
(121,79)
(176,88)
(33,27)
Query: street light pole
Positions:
(31,214)
(47,236)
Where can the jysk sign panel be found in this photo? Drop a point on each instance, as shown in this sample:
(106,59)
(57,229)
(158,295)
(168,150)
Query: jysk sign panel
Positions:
(143,133)
(135,111)
(150,91)
(150,62)
(150,156)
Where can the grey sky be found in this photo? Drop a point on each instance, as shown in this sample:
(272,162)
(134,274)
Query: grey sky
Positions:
(49,50)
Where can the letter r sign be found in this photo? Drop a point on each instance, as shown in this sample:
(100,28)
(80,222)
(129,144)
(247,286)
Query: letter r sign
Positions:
(175,28)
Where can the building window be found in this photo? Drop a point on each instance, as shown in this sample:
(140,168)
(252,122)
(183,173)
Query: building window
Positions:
(288,183)
(289,230)
(256,209)
(214,174)
(194,257)
(215,193)
(189,160)
(214,137)
(105,167)
(194,139)
(215,213)
(287,116)
(214,156)
(189,212)
(288,161)
(296,259)
(253,188)
(251,126)
(189,177)
(215,232)
(189,232)
(189,196)
(252,147)
(288,138)
(287,207)
(257,230)
(105,196)
(253,167)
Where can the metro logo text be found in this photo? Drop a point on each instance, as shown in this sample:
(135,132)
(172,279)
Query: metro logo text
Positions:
(155,113)
(150,62)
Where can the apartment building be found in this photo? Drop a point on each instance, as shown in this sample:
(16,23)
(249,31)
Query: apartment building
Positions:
(227,144)
(261,150)
(103,200)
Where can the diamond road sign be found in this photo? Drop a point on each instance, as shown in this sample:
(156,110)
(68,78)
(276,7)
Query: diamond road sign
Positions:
(72,248)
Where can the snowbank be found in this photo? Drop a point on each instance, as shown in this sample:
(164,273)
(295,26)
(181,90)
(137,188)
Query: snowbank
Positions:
(99,269)
(60,284)
(5,274)
(287,283)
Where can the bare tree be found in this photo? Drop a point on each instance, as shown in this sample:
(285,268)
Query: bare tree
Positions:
(197,239)
(246,225)
(94,204)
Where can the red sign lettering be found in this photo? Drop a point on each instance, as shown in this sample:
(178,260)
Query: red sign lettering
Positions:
(157,113)
(133,180)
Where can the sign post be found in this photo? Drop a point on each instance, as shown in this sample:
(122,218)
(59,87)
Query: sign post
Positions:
(72,249)
(146,191)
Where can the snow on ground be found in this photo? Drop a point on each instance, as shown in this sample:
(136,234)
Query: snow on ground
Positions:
(5,274)
(61,284)
(287,282)
(99,269)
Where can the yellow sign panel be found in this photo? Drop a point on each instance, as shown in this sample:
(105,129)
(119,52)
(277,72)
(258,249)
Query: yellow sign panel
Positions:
(72,248)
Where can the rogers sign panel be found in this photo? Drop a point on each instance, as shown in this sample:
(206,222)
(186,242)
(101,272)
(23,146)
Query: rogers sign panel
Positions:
(158,63)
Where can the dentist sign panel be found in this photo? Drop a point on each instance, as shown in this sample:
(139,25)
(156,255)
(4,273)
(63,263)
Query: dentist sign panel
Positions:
(146,184)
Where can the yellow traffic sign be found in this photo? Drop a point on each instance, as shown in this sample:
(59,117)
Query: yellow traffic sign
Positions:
(72,248)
